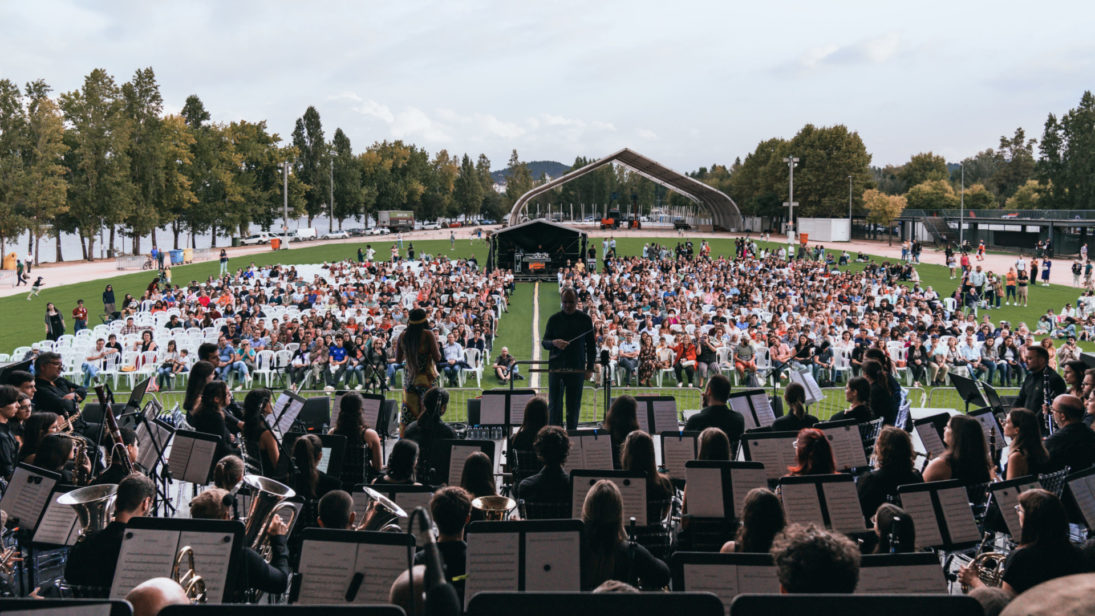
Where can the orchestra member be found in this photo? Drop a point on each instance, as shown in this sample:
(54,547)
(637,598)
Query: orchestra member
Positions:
(893,459)
(966,457)
(228,473)
(478,475)
(797,418)
(311,483)
(209,417)
(55,393)
(620,422)
(715,413)
(552,484)
(1073,443)
(713,445)
(522,454)
(1032,394)
(762,520)
(858,394)
(336,510)
(814,560)
(151,596)
(569,338)
(428,430)
(257,435)
(54,454)
(1028,454)
(402,462)
(813,454)
(607,554)
(117,469)
(637,454)
(363,445)
(36,428)
(450,509)
(894,530)
(9,447)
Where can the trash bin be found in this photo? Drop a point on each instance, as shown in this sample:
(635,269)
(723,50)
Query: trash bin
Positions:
(275,243)
(176,257)
(236,242)
(10,261)
(188,255)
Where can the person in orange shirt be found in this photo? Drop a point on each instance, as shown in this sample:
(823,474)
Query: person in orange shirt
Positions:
(686,360)
(1010,280)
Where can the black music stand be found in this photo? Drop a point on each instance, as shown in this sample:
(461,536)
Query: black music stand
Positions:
(336,443)
(117,607)
(967,389)
(855,605)
(163,477)
(589,604)
(283,610)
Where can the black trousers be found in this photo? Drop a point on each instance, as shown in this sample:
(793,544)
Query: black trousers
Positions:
(571,385)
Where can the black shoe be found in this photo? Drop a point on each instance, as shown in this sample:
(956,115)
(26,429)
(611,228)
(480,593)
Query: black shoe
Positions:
(518,377)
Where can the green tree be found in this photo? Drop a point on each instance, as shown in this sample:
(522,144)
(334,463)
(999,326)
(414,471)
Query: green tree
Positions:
(1028,197)
(932,195)
(827,156)
(143,105)
(45,191)
(493,206)
(178,197)
(1016,164)
(883,209)
(349,196)
(13,142)
(978,198)
(924,167)
(1066,167)
(467,189)
(979,169)
(759,185)
(519,181)
(311,165)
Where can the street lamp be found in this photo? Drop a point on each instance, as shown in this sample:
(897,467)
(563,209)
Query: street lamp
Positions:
(962,207)
(791,162)
(285,192)
(849,208)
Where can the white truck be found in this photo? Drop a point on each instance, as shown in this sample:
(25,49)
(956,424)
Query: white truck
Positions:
(395,220)
(306,233)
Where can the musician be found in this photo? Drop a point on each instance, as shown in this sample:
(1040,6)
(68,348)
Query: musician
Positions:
(1073,443)
(1044,551)
(813,454)
(118,469)
(477,477)
(201,374)
(36,428)
(54,454)
(23,381)
(255,573)
(966,457)
(55,393)
(9,447)
(637,454)
(619,422)
(363,445)
(572,345)
(715,413)
(858,394)
(311,483)
(258,436)
(1028,454)
(402,462)
(450,509)
(762,520)
(893,457)
(92,562)
(552,484)
(608,554)
(418,351)
(228,472)
(713,445)
(1033,394)
(429,429)
(894,530)
(209,417)
(18,423)
(521,450)
(797,418)
(336,510)
(814,560)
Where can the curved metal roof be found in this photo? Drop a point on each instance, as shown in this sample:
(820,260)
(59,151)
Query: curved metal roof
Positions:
(724,212)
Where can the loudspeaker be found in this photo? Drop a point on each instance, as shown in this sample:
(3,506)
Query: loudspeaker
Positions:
(388,421)
(316,414)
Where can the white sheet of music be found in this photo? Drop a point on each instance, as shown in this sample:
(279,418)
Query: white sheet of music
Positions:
(147,451)
(95,609)
(58,526)
(324,459)
(1007,499)
(326,568)
(596,453)
(292,411)
(960,522)
(763,407)
(705,497)
(776,454)
(847,446)
(729,581)
(492,563)
(409,500)
(371,408)
(27,495)
(676,452)
(361,501)
(146,553)
(1083,489)
(741,405)
(212,553)
(553,561)
(919,506)
(492,410)
(643,419)
(191,458)
(280,405)
(665,415)
(743,480)
(910,579)
(634,496)
(458,456)
(929,437)
(382,564)
(517,403)
(991,430)
(842,502)
(801,504)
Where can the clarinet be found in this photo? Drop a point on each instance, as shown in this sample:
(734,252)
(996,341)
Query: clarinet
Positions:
(1046,402)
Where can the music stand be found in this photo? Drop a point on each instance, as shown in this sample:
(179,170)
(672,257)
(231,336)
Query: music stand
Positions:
(346,566)
(678,449)
(993,398)
(334,449)
(58,525)
(1088,359)
(846,441)
(590,449)
(775,450)
(657,414)
(21,365)
(589,604)
(726,483)
(137,395)
(159,447)
(55,607)
(829,500)
(725,575)
(443,452)
(855,605)
(267,609)
(754,406)
(632,485)
(942,514)
(535,555)
(917,572)
(967,389)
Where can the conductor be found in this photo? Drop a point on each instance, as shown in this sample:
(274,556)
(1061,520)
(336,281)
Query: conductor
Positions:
(569,339)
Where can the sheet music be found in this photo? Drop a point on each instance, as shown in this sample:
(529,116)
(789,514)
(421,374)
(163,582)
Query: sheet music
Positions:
(1083,490)
(643,417)
(27,495)
(842,503)
(371,408)
(676,452)
(633,491)
(991,429)
(410,500)
(458,456)
(813,392)
(919,505)
(191,458)
(493,563)
(728,581)
(517,403)
(741,405)
(553,561)
(280,405)
(959,516)
(382,564)
(876,577)
(324,459)
(59,524)
(1007,498)
(292,411)
(326,568)
(705,498)
(146,553)
(492,409)
(665,414)
(147,451)
(847,446)
(593,452)
(212,553)
(801,504)
(743,480)
(776,454)
(93,609)
(929,436)
(763,407)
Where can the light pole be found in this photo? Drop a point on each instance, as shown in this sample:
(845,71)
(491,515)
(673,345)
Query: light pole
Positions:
(331,186)
(791,162)
(849,208)
(962,208)
(285,193)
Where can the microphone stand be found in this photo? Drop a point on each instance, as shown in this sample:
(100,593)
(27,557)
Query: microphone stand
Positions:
(606,376)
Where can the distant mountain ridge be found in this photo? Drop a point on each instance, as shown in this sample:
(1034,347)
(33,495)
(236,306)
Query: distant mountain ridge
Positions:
(538,168)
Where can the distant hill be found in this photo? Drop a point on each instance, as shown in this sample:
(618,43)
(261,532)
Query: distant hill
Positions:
(537,167)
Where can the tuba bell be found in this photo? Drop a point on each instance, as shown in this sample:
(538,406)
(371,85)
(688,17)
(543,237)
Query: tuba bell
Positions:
(192,583)
(92,504)
(267,500)
(494,508)
(381,513)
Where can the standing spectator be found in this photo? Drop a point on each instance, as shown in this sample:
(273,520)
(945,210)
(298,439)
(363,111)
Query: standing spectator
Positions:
(452,240)
(224,263)
(79,316)
(1046,266)
(109,307)
(55,322)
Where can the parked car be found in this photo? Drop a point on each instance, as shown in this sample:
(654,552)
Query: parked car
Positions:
(262,237)
(378,231)
(305,233)
(356,231)
(431,226)
(454,224)
(681,224)
(337,235)
(488,221)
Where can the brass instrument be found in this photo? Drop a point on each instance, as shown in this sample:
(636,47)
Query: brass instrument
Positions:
(192,583)
(268,500)
(92,505)
(9,557)
(115,434)
(381,513)
(989,567)
(66,424)
(494,508)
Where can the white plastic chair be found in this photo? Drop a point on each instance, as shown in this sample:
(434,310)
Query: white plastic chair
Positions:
(664,355)
(264,366)
(474,359)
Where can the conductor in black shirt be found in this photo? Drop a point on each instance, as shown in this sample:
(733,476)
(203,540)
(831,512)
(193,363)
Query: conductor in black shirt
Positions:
(1032,394)
(569,339)
(92,562)
(715,413)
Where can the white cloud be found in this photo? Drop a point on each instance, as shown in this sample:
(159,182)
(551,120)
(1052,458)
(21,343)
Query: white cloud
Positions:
(646,133)
(877,50)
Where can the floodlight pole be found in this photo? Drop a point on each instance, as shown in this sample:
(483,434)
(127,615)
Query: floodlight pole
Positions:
(285,194)
(962,208)
(791,162)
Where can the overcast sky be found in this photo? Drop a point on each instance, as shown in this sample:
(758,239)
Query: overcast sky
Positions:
(685,83)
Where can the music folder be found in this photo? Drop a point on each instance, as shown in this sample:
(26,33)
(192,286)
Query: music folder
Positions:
(754,406)
(846,441)
(65,607)
(504,407)
(59,524)
(371,409)
(1006,494)
(28,494)
(589,449)
(346,566)
(632,487)
(828,500)
(149,452)
(137,394)
(1082,486)
(806,379)
(150,547)
(286,409)
(535,555)
(717,489)
(775,450)
(725,575)
(929,432)
(191,457)
(915,573)
(678,448)
(408,497)
(990,425)
(454,454)
(941,513)
(657,414)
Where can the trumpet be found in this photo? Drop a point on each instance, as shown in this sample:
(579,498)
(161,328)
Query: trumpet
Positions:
(192,583)
(381,513)
(494,508)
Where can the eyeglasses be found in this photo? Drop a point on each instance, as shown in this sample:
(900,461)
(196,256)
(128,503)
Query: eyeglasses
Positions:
(1018,509)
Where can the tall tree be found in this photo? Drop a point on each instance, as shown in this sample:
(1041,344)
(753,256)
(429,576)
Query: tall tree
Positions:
(349,196)
(932,195)
(883,209)
(467,190)
(143,106)
(45,190)
(1016,156)
(311,165)
(177,197)
(1028,197)
(519,181)
(827,156)
(1066,167)
(924,167)
(13,142)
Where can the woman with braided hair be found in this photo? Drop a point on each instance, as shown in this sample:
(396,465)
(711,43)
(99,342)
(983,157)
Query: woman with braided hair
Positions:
(419,352)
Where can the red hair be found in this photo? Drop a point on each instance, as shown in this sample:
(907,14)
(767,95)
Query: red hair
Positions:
(814,455)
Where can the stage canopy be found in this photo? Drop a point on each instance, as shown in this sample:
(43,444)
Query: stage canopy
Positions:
(724,212)
(537,247)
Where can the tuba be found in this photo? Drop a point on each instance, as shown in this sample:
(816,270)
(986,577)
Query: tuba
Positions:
(267,501)
(381,513)
(494,508)
(192,583)
(92,505)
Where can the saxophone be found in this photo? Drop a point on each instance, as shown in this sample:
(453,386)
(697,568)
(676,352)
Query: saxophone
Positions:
(81,474)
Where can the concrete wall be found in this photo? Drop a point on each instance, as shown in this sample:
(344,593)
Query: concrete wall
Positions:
(826,229)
